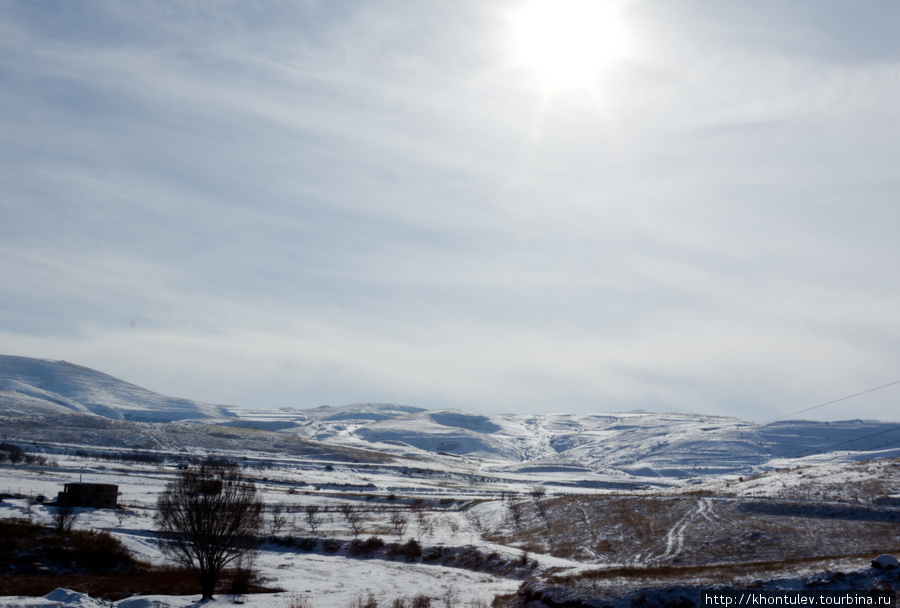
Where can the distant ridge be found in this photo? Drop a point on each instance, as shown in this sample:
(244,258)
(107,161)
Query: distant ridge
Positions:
(85,390)
(49,400)
(627,444)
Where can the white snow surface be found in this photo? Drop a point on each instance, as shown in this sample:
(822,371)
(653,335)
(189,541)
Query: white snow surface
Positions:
(58,598)
(81,389)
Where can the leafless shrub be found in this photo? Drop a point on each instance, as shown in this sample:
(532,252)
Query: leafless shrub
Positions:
(425,525)
(418,601)
(476,522)
(450,598)
(298,601)
(313,517)
(278,519)
(63,519)
(523,559)
(369,602)
(454,525)
(398,522)
(355,518)
(515,510)
(242,577)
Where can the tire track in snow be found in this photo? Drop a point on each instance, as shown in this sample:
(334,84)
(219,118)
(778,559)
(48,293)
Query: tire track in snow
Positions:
(588,527)
(675,536)
(708,511)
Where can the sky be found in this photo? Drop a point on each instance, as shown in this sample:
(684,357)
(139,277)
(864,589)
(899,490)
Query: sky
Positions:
(503,206)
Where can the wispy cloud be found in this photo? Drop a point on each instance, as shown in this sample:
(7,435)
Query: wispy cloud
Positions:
(314,202)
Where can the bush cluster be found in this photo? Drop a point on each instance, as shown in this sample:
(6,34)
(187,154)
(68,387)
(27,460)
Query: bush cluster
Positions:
(307,544)
(365,548)
(449,599)
(301,543)
(418,601)
(138,457)
(470,558)
(27,548)
(13,454)
(410,550)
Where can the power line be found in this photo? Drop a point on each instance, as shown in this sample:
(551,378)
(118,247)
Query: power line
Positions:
(828,448)
(823,449)
(815,407)
(884,445)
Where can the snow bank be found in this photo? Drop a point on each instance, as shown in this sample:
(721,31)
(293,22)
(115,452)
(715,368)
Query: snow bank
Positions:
(58,598)
(886,562)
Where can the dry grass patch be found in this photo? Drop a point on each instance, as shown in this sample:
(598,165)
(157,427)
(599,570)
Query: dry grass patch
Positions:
(694,530)
(708,574)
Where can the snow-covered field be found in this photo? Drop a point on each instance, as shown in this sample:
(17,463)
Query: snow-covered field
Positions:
(325,581)
(454,516)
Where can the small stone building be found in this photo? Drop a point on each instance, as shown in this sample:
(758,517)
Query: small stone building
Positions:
(94,495)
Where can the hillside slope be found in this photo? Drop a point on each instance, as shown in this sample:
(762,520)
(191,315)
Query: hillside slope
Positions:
(86,390)
(615,445)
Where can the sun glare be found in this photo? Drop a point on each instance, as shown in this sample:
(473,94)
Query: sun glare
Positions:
(567,42)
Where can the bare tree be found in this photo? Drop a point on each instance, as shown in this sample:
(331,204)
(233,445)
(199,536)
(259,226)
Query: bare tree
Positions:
(426,526)
(454,525)
(313,517)
(355,518)
(515,509)
(209,517)
(63,519)
(398,522)
(279,519)
(538,492)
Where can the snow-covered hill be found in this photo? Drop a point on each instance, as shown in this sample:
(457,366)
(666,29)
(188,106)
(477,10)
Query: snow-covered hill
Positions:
(633,444)
(80,389)
(596,449)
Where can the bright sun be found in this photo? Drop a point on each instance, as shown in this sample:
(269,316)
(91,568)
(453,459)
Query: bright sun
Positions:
(567,42)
